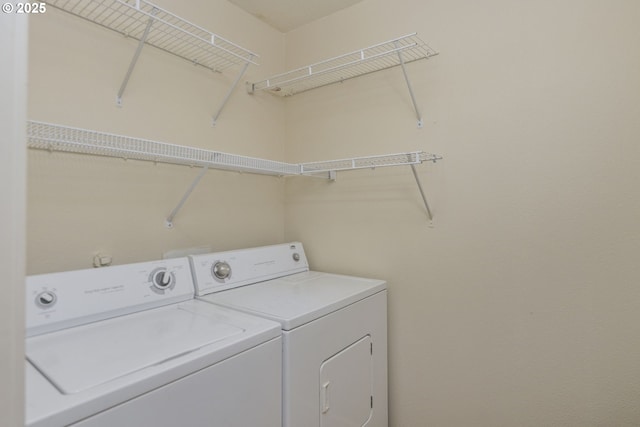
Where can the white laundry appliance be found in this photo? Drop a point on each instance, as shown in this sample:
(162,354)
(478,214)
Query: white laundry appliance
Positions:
(334,330)
(128,346)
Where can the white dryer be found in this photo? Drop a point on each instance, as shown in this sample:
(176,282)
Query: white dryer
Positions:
(128,346)
(334,330)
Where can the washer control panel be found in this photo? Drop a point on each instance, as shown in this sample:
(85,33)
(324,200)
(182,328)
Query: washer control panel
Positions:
(225,270)
(61,300)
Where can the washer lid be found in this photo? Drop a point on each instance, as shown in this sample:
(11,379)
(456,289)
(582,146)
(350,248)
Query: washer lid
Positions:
(299,298)
(86,356)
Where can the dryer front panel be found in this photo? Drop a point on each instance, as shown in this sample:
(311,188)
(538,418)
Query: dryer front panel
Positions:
(347,349)
(346,386)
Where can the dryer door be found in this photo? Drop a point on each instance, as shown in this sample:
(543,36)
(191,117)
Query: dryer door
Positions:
(346,381)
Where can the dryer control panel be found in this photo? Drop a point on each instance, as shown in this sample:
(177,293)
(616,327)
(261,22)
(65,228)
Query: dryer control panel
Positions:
(71,298)
(219,271)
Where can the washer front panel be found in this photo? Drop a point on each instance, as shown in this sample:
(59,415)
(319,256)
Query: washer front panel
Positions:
(151,349)
(240,391)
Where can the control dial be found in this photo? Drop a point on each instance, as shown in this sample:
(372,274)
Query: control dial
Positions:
(162,279)
(46,299)
(221,270)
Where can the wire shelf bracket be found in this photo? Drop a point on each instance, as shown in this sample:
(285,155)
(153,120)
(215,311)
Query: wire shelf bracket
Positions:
(392,53)
(231,89)
(134,60)
(424,198)
(406,78)
(169,221)
(154,26)
(53,137)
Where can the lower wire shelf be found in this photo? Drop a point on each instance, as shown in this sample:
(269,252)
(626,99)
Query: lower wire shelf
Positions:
(53,137)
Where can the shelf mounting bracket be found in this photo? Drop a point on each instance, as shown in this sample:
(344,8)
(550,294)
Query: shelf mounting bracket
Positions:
(169,221)
(136,55)
(424,198)
(406,78)
(233,86)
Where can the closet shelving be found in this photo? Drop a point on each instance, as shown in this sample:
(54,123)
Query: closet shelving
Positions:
(368,162)
(54,137)
(388,54)
(154,26)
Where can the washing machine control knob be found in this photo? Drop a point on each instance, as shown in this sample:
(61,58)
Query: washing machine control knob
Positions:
(46,299)
(221,270)
(162,279)
(296,256)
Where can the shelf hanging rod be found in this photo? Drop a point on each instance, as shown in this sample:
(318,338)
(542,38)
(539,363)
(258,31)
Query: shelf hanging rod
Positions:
(136,55)
(413,98)
(169,221)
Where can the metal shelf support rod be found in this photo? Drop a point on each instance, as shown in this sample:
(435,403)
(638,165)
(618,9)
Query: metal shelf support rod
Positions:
(169,221)
(424,198)
(235,83)
(136,55)
(406,77)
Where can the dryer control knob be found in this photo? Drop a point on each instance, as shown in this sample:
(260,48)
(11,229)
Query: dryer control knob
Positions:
(46,299)
(221,270)
(162,279)
(296,256)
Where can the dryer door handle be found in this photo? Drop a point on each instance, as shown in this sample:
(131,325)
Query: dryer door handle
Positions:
(324,392)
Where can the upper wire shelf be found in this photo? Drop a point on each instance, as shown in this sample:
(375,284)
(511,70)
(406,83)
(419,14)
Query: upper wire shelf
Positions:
(378,57)
(169,32)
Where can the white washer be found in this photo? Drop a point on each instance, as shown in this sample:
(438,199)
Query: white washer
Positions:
(334,330)
(129,346)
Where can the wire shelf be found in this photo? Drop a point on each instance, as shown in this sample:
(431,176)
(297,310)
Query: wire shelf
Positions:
(168,32)
(368,162)
(51,137)
(46,136)
(381,56)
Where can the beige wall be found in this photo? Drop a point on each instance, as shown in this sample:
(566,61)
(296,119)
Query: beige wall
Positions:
(82,205)
(520,306)
(13,87)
